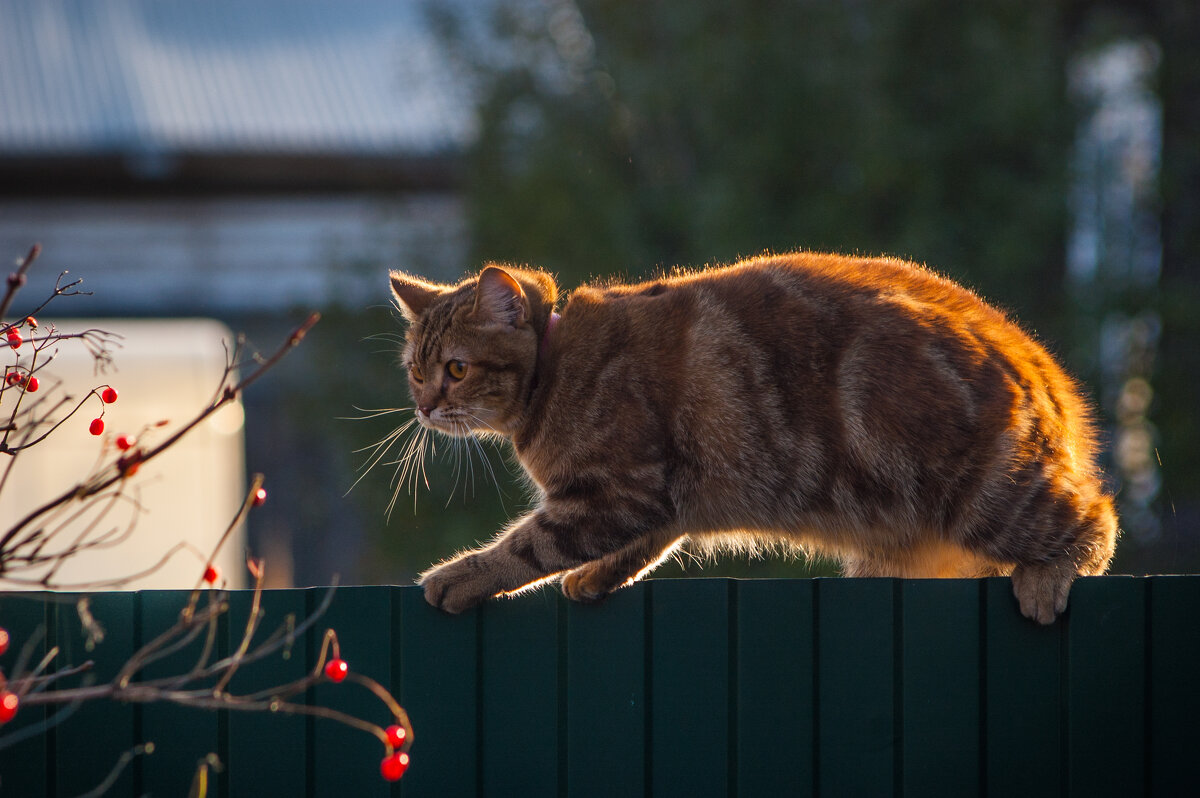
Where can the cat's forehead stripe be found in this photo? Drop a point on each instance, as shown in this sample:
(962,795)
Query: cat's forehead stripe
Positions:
(438,320)
(431,331)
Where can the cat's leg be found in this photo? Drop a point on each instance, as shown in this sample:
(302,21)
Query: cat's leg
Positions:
(595,580)
(1042,588)
(1042,585)
(541,545)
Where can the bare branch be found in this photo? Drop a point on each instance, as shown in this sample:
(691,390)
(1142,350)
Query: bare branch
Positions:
(116,472)
(17,279)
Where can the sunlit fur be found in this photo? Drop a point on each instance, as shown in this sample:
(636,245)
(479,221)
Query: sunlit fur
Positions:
(867,410)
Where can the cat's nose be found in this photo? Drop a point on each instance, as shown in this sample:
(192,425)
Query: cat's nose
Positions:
(425,410)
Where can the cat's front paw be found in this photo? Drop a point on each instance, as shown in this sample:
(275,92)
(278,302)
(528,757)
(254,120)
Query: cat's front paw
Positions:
(457,586)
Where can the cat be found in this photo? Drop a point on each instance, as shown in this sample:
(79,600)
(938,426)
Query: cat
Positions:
(866,409)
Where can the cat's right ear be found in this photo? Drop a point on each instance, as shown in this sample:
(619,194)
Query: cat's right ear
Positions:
(413,295)
(499,298)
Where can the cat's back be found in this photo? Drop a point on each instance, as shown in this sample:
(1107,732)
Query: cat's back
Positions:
(796,318)
(772,286)
(856,341)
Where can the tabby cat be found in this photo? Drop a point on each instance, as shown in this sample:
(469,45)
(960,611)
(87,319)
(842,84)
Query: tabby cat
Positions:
(866,409)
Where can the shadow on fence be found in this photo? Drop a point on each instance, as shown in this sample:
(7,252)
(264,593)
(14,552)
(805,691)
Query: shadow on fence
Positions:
(697,687)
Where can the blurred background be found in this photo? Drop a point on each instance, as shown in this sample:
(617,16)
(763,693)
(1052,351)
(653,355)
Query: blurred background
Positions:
(247,162)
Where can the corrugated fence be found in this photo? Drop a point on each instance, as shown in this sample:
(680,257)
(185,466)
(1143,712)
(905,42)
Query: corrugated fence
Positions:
(832,687)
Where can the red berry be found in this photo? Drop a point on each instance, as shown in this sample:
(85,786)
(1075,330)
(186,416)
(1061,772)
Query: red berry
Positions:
(109,395)
(211,575)
(8,708)
(32,322)
(336,669)
(32,384)
(393,767)
(3,641)
(125,442)
(260,496)
(12,378)
(14,339)
(97,426)
(395,735)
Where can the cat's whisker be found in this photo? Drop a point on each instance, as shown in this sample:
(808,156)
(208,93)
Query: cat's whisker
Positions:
(457,471)
(379,450)
(491,472)
(387,337)
(417,465)
(375,413)
(485,459)
(415,445)
(386,442)
(402,464)
(421,463)
(407,464)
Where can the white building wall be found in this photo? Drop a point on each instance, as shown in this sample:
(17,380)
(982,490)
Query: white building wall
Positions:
(164,371)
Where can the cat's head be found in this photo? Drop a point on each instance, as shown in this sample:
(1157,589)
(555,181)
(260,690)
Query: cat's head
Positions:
(471,349)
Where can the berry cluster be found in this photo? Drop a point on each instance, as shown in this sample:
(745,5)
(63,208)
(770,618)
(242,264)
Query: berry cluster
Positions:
(8,699)
(393,765)
(18,376)
(27,381)
(108,396)
(13,333)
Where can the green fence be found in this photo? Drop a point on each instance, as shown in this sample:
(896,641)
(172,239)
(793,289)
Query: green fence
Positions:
(832,687)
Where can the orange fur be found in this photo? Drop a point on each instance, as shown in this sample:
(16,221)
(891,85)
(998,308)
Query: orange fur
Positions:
(867,409)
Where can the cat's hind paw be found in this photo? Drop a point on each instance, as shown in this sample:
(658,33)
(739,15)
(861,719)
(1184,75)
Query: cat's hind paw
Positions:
(1042,589)
(587,583)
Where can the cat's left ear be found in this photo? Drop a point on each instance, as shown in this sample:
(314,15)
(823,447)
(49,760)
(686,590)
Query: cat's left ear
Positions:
(413,294)
(500,298)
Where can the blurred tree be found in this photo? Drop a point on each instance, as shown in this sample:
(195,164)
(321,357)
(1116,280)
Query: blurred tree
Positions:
(622,138)
(687,133)
(1175,25)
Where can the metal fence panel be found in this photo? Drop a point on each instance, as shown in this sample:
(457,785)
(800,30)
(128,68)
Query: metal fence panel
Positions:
(1024,699)
(1173,739)
(182,737)
(856,672)
(25,763)
(776,687)
(941,687)
(690,663)
(266,753)
(89,745)
(698,687)
(606,672)
(439,688)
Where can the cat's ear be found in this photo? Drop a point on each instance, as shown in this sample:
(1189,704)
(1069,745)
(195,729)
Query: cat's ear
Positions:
(413,295)
(500,298)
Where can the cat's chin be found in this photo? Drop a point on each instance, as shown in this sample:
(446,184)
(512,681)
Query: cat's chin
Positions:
(451,427)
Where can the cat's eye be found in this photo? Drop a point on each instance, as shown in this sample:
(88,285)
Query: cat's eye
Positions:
(456,369)
(416,372)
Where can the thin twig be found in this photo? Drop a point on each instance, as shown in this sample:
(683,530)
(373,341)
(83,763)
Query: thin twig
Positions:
(17,279)
(108,477)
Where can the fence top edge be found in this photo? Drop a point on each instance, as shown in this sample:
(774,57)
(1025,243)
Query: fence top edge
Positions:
(58,596)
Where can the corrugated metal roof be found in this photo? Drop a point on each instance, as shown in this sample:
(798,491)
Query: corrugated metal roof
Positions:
(149,76)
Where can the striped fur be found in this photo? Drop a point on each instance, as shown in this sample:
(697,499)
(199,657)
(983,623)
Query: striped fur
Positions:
(866,409)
